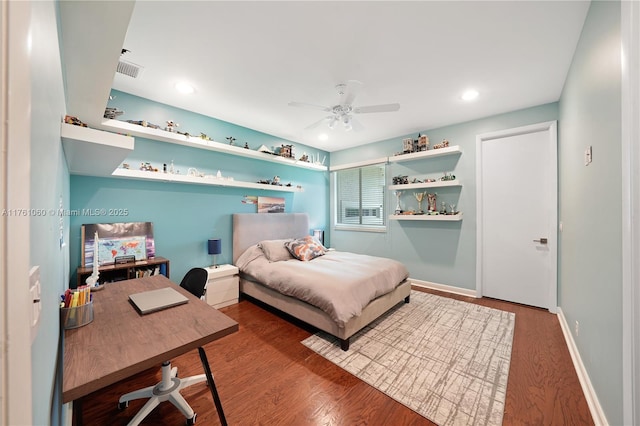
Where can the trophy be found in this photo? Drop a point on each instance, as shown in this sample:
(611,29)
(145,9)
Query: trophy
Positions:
(398,208)
(431,201)
(419,197)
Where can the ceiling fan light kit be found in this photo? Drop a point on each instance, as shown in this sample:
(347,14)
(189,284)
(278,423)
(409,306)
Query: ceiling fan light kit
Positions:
(342,112)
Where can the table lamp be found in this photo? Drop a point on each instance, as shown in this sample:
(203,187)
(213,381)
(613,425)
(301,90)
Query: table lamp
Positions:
(214,247)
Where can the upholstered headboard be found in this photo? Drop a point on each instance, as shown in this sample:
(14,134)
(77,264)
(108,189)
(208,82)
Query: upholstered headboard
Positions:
(251,228)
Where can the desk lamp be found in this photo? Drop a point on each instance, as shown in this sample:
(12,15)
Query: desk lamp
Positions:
(215,248)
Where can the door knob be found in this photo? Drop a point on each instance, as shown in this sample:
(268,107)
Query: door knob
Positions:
(541,241)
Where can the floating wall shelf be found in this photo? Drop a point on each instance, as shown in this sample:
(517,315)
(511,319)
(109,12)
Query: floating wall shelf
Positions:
(197,142)
(93,152)
(438,217)
(176,178)
(436,184)
(432,153)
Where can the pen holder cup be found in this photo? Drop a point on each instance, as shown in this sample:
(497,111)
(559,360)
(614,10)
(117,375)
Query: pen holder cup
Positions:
(77,316)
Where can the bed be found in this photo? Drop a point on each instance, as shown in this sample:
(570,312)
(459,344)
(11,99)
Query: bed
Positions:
(250,229)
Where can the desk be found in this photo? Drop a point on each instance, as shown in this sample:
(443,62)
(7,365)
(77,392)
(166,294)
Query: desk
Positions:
(120,342)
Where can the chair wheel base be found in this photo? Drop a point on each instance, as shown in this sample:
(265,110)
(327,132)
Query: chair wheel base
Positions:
(192,420)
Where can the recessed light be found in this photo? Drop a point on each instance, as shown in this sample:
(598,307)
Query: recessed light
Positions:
(323,136)
(184,88)
(470,95)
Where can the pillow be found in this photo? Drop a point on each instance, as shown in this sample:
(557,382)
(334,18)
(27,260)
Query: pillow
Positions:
(305,249)
(275,250)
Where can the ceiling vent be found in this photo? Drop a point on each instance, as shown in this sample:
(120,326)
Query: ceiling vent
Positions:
(129,68)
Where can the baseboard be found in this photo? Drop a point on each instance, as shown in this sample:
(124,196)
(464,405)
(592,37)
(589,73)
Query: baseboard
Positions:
(587,388)
(443,287)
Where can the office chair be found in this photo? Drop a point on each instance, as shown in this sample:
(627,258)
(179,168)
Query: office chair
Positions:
(168,389)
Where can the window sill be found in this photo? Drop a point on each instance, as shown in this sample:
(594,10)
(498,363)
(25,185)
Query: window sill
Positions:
(363,228)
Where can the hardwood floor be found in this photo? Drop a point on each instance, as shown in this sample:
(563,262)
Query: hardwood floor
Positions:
(266,377)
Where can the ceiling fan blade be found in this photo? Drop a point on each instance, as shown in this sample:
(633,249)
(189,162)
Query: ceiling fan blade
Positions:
(376,108)
(305,105)
(348,91)
(318,123)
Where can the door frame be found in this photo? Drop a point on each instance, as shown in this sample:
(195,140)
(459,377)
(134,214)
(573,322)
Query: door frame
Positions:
(630,163)
(551,127)
(15,143)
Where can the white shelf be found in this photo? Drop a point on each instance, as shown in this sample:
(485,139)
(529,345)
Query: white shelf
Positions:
(213,181)
(93,152)
(436,184)
(440,217)
(432,153)
(197,142)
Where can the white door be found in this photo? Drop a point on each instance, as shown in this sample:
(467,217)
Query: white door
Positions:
(517,215)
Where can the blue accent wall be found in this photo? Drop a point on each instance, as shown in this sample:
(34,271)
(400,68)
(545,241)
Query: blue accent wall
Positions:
(186,215)
(437,252)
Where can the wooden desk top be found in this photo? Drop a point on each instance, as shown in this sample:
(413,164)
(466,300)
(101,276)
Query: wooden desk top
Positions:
(120,342)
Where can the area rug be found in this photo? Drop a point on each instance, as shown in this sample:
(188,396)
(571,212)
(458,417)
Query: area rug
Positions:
(445,359)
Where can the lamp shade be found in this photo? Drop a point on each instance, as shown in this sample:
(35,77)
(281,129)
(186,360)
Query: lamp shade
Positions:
(214,246)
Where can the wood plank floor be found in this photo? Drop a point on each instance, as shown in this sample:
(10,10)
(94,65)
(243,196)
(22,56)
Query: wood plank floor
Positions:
(266,377)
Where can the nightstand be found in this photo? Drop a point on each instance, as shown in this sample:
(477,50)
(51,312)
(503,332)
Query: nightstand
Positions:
(222,286)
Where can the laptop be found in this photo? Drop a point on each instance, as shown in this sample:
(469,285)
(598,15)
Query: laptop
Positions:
(156,300)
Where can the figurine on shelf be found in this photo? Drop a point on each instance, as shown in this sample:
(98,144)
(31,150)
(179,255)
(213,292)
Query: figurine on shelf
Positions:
(452,209)
(112,113)
(246,146)
(74,120)
(443,144)
(407,146)
(286,151)
(231,140)
(443,210)
(448,176)
(400,180)
(423,142)
(171,126)
(203,136)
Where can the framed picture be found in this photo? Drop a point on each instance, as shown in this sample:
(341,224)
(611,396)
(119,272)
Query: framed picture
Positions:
(117,240)
(270,205)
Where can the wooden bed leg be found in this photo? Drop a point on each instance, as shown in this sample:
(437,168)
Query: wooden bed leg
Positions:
(406,299)
(344,344)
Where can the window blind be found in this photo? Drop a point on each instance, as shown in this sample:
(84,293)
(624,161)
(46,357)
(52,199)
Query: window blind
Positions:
(360,200)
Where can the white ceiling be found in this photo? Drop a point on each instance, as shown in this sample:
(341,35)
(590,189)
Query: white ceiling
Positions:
(248,60)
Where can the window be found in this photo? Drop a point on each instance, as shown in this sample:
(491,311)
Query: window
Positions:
(360,201)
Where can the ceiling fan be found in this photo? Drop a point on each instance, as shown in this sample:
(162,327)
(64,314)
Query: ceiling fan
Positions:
(344,110)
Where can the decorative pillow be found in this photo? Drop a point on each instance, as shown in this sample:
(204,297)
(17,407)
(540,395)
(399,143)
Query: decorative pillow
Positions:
(275,250)
(306,248)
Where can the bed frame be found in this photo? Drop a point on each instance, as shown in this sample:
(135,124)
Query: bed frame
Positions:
(251,228)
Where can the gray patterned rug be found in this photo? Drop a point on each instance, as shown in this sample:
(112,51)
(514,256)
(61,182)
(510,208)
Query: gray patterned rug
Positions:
(445,359)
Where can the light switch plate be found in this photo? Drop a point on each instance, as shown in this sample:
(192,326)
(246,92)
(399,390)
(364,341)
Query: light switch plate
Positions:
(34,292)
(588,156)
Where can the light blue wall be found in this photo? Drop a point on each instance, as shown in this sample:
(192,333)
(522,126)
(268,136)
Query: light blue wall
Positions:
(438,252)
(185,216)
(49,186)
(590,266)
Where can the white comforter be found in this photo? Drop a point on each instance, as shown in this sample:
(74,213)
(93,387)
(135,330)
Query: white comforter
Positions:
(339,283)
